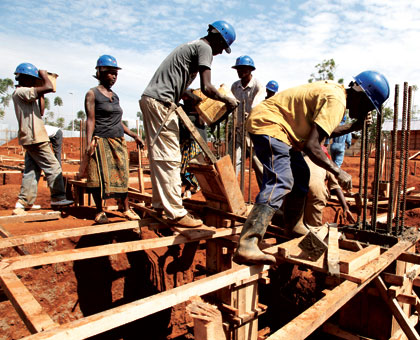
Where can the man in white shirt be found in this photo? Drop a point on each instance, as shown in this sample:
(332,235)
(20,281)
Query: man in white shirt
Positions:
(249,92)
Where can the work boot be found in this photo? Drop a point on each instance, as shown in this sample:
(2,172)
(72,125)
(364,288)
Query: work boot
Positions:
(252,234)
(187,221)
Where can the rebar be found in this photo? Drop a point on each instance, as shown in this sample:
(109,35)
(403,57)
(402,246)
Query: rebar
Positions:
(234,116)
(391,198)
(376,174)
(361,171)
(250,172)
(226,136)
(407,151)
(243,149)
(400,179)
(366,173)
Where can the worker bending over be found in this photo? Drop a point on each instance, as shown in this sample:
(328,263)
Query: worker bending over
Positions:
(299,119)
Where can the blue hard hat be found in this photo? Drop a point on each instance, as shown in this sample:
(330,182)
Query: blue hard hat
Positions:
(244,60)
(375,85)
(272,85)
(27,68)
(226,30)
(108,61)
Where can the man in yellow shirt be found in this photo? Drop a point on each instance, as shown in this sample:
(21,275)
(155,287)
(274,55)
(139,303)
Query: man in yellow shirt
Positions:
(296,120)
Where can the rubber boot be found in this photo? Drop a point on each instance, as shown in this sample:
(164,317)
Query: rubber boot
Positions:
(293,208)
(253,232)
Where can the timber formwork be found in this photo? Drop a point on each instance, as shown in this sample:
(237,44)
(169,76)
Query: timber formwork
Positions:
(370,275)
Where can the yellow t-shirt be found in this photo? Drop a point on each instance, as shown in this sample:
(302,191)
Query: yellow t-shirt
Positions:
(290,114)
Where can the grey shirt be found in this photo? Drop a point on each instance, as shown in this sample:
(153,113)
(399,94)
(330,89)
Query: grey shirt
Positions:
(178,71)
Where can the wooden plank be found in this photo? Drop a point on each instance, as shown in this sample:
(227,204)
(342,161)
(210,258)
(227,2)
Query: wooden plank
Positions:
(115,317)
(396,310)
(6,234)
(51,215)
(360,258)
(333,254)
(15,263)
(399,334)
(308,321)
(30,311)
(409,257)
(65,233)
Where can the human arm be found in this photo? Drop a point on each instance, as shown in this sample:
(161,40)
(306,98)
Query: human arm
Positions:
(133,135)
(312,148)
(41,105)
(347,213)
(348,128)
(210,91)
(90,121)
(46,86)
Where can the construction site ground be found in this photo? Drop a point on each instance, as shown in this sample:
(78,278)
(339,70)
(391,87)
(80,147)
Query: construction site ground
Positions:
(70,290)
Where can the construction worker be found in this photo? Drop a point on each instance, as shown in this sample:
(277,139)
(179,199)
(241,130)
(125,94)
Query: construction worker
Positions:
(299,119)
(271,88)
(107,168)
(339,145)
(322,184)
(249,92)
(28,99)
(160,99)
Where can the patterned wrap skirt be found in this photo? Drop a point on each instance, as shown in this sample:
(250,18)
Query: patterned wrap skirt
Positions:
(108,168)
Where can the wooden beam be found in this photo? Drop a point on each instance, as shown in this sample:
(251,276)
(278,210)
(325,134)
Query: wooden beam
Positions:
(308,321)
(360,258)
(65,233)
(396,310)
(30,311)
(409,257)
(15,263)
(6,234)
(51,215)
(333,253)
(115,317)
(399,334)
(341,333)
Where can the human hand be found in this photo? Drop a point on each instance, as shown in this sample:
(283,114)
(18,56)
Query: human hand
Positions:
(139,141)
(344,180)
(231,103)
(349,217)
(43,74)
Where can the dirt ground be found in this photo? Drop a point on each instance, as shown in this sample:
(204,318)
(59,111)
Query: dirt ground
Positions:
(70,290)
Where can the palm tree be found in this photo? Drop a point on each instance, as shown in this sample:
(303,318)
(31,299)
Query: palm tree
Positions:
(58,102)
(5,85)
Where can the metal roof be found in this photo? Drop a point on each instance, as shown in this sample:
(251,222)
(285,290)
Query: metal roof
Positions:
(388,125)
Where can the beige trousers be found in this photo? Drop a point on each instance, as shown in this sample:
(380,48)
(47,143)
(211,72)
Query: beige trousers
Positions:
(164,157)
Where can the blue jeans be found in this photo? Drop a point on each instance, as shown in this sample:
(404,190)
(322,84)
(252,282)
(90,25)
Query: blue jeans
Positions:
(337,153)
(285,171)
(40,157)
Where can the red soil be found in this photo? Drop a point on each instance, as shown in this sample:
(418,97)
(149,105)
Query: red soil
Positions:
(68,291)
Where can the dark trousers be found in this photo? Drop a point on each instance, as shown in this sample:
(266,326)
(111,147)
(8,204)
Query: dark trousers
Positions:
(57,143)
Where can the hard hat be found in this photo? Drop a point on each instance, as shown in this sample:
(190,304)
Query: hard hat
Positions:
(244,60)
(226,30)
(107,61)
(272,85)
(27,68)
(375,85)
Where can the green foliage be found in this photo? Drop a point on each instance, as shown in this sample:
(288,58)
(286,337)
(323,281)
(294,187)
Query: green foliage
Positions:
(81,114)
(140,115)
(387,114)
(325,71)
(58,101)
(60,122)
(5,97)
(47,103)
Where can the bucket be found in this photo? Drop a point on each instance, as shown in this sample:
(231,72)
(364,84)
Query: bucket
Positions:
(209,109)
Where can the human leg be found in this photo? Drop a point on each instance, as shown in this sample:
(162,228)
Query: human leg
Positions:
(57,143)
(165,162)
(277,182)
(43,156)
(337,153)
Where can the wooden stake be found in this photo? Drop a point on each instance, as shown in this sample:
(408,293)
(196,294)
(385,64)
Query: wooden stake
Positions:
(139,153)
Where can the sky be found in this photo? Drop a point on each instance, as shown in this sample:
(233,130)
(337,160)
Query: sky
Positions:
(285,38)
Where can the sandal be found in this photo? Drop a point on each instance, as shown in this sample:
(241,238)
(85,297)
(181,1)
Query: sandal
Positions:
(131,215)
(101,218)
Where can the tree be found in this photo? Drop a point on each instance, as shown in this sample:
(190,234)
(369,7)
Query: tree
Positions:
(81,114)
(140,115)
(5,96)
(47,103)
(325,71)
(60,122)
(58,102)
